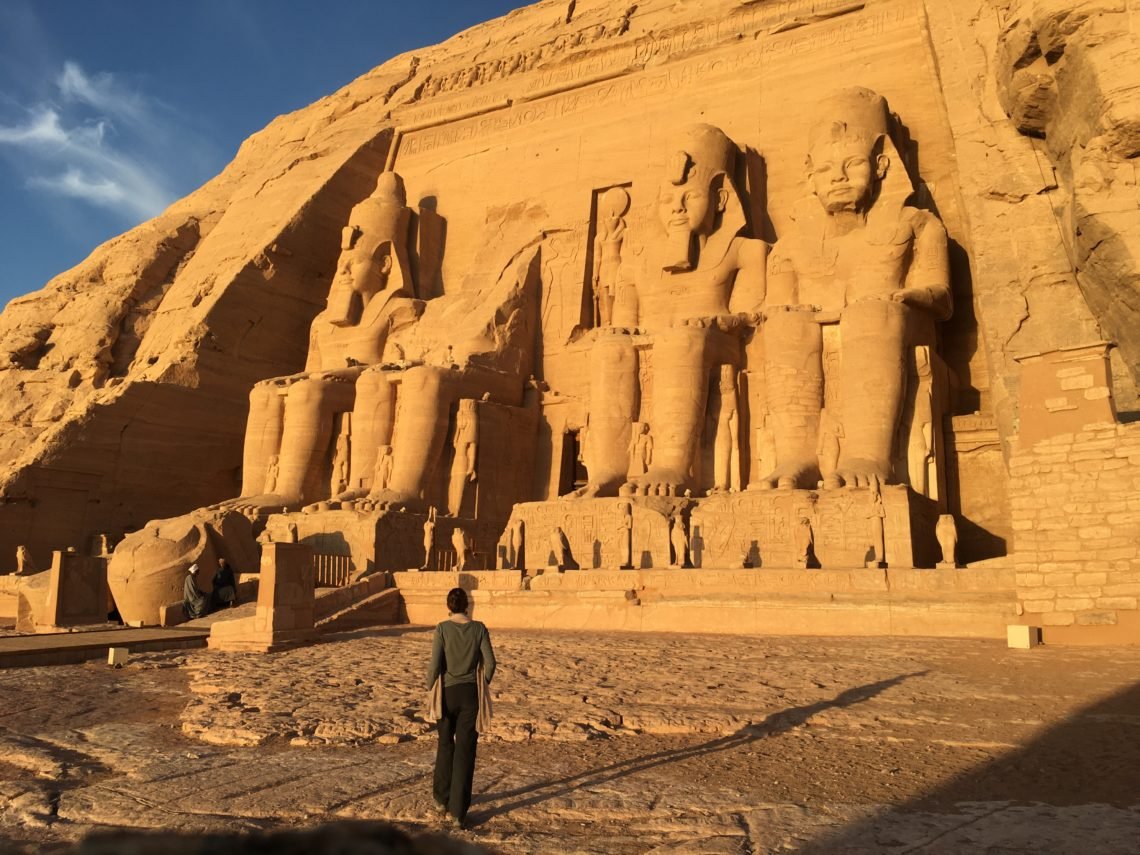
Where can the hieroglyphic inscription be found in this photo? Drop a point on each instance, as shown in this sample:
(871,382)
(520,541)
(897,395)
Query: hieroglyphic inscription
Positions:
(594,531)
(636,86)
(754,19)
(761,525)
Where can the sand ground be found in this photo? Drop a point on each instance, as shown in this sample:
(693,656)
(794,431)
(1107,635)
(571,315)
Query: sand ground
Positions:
(603,743)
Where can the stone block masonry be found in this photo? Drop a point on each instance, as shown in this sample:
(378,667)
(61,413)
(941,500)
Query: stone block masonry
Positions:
(1076,518)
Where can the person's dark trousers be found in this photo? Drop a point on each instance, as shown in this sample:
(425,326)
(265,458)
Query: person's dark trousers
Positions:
(455,758)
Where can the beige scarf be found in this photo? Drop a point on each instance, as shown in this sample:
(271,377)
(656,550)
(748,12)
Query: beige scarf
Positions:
(435,699)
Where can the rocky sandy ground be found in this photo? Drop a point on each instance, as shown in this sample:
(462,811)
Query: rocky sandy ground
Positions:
(609,743)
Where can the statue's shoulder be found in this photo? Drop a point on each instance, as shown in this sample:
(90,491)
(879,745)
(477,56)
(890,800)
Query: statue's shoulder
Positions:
(750,250)
(920,218)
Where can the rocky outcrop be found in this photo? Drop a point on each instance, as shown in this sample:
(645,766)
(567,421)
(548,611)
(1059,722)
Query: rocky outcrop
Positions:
(1067,74)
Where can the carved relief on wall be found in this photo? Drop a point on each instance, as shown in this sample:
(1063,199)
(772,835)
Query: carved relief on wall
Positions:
(609,230)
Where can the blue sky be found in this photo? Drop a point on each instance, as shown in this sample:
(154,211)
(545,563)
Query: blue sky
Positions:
(112,109)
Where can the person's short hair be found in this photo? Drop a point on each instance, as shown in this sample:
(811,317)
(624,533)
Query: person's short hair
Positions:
(456,601)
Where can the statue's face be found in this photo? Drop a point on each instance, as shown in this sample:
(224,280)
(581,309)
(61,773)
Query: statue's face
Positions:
(844,173)
(688,208)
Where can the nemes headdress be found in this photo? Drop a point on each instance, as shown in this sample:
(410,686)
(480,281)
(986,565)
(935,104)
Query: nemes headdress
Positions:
(704,152)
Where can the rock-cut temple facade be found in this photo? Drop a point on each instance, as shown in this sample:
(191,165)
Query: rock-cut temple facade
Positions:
(768,299)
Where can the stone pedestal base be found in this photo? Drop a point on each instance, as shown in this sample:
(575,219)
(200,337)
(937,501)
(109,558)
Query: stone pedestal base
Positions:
(751,529)
(351,543)
(978,604)
(285,601)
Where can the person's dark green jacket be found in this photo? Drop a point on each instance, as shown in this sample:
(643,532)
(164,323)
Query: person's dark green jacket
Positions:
(456,648)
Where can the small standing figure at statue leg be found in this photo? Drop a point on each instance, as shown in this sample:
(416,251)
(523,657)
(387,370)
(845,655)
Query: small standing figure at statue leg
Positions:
(625,536)
(466,446)
(640,449)
(516,556)
(946,530)
(24,564)
(461,546)
(679,541)
(429,537)
(877,516)
(805,539)
(559,547)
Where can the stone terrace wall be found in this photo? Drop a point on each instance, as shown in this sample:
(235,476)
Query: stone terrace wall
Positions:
(1076,518)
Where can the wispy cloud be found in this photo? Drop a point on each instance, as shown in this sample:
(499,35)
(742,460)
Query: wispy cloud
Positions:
(104,93)
(97,141)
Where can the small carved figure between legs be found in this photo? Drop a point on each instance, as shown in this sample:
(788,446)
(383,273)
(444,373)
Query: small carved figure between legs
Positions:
(625,535)
(679,543)
(805,539)
(946,530)
(559,547)
(877,517)
(429,537)
(461,546)
(516,544)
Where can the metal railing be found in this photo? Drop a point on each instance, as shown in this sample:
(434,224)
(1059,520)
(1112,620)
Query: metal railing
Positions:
(332,571)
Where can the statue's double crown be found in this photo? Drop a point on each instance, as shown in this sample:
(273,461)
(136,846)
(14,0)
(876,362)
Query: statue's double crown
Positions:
(854,113)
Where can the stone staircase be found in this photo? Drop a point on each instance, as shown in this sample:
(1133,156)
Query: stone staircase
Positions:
(966,603)
(371,601)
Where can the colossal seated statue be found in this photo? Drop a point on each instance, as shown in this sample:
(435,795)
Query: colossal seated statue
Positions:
(700,282)
(860,258)
(386,367)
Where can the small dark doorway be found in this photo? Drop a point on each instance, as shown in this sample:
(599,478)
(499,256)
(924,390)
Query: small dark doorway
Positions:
(571,471)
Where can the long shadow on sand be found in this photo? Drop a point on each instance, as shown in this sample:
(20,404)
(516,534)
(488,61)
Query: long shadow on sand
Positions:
(774,723)
(1091,758)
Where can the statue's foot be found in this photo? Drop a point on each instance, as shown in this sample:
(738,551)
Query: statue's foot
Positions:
(598,489)
(861,472)
(396,501)
(590,491)
(789,476)
(266,503)
(656,482)
(349,496)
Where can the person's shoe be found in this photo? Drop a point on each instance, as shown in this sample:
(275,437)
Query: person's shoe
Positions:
(454,823)
(440,807)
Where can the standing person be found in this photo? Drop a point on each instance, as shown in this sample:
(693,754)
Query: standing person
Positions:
(464,663)
(194,602)
(225,585)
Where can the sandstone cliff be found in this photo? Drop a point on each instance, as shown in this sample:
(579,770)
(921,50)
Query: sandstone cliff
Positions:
(123,381)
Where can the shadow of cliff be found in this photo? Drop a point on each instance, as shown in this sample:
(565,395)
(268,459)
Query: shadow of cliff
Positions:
(346,837)
(532,794)
(1091,758)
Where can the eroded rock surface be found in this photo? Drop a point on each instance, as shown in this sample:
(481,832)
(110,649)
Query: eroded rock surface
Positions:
(860,745)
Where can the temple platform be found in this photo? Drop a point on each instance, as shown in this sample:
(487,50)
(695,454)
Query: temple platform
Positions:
(964,603)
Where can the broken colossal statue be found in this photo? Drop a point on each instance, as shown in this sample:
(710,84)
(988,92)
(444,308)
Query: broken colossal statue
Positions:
(393,385)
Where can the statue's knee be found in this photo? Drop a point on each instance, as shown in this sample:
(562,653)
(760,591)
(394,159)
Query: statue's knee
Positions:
(306,393)
(423,383)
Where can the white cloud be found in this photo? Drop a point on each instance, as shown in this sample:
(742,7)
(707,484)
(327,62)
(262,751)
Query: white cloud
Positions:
(67,152)
(103,93)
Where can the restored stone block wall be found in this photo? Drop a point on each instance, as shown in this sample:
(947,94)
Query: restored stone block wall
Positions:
(1076,521)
